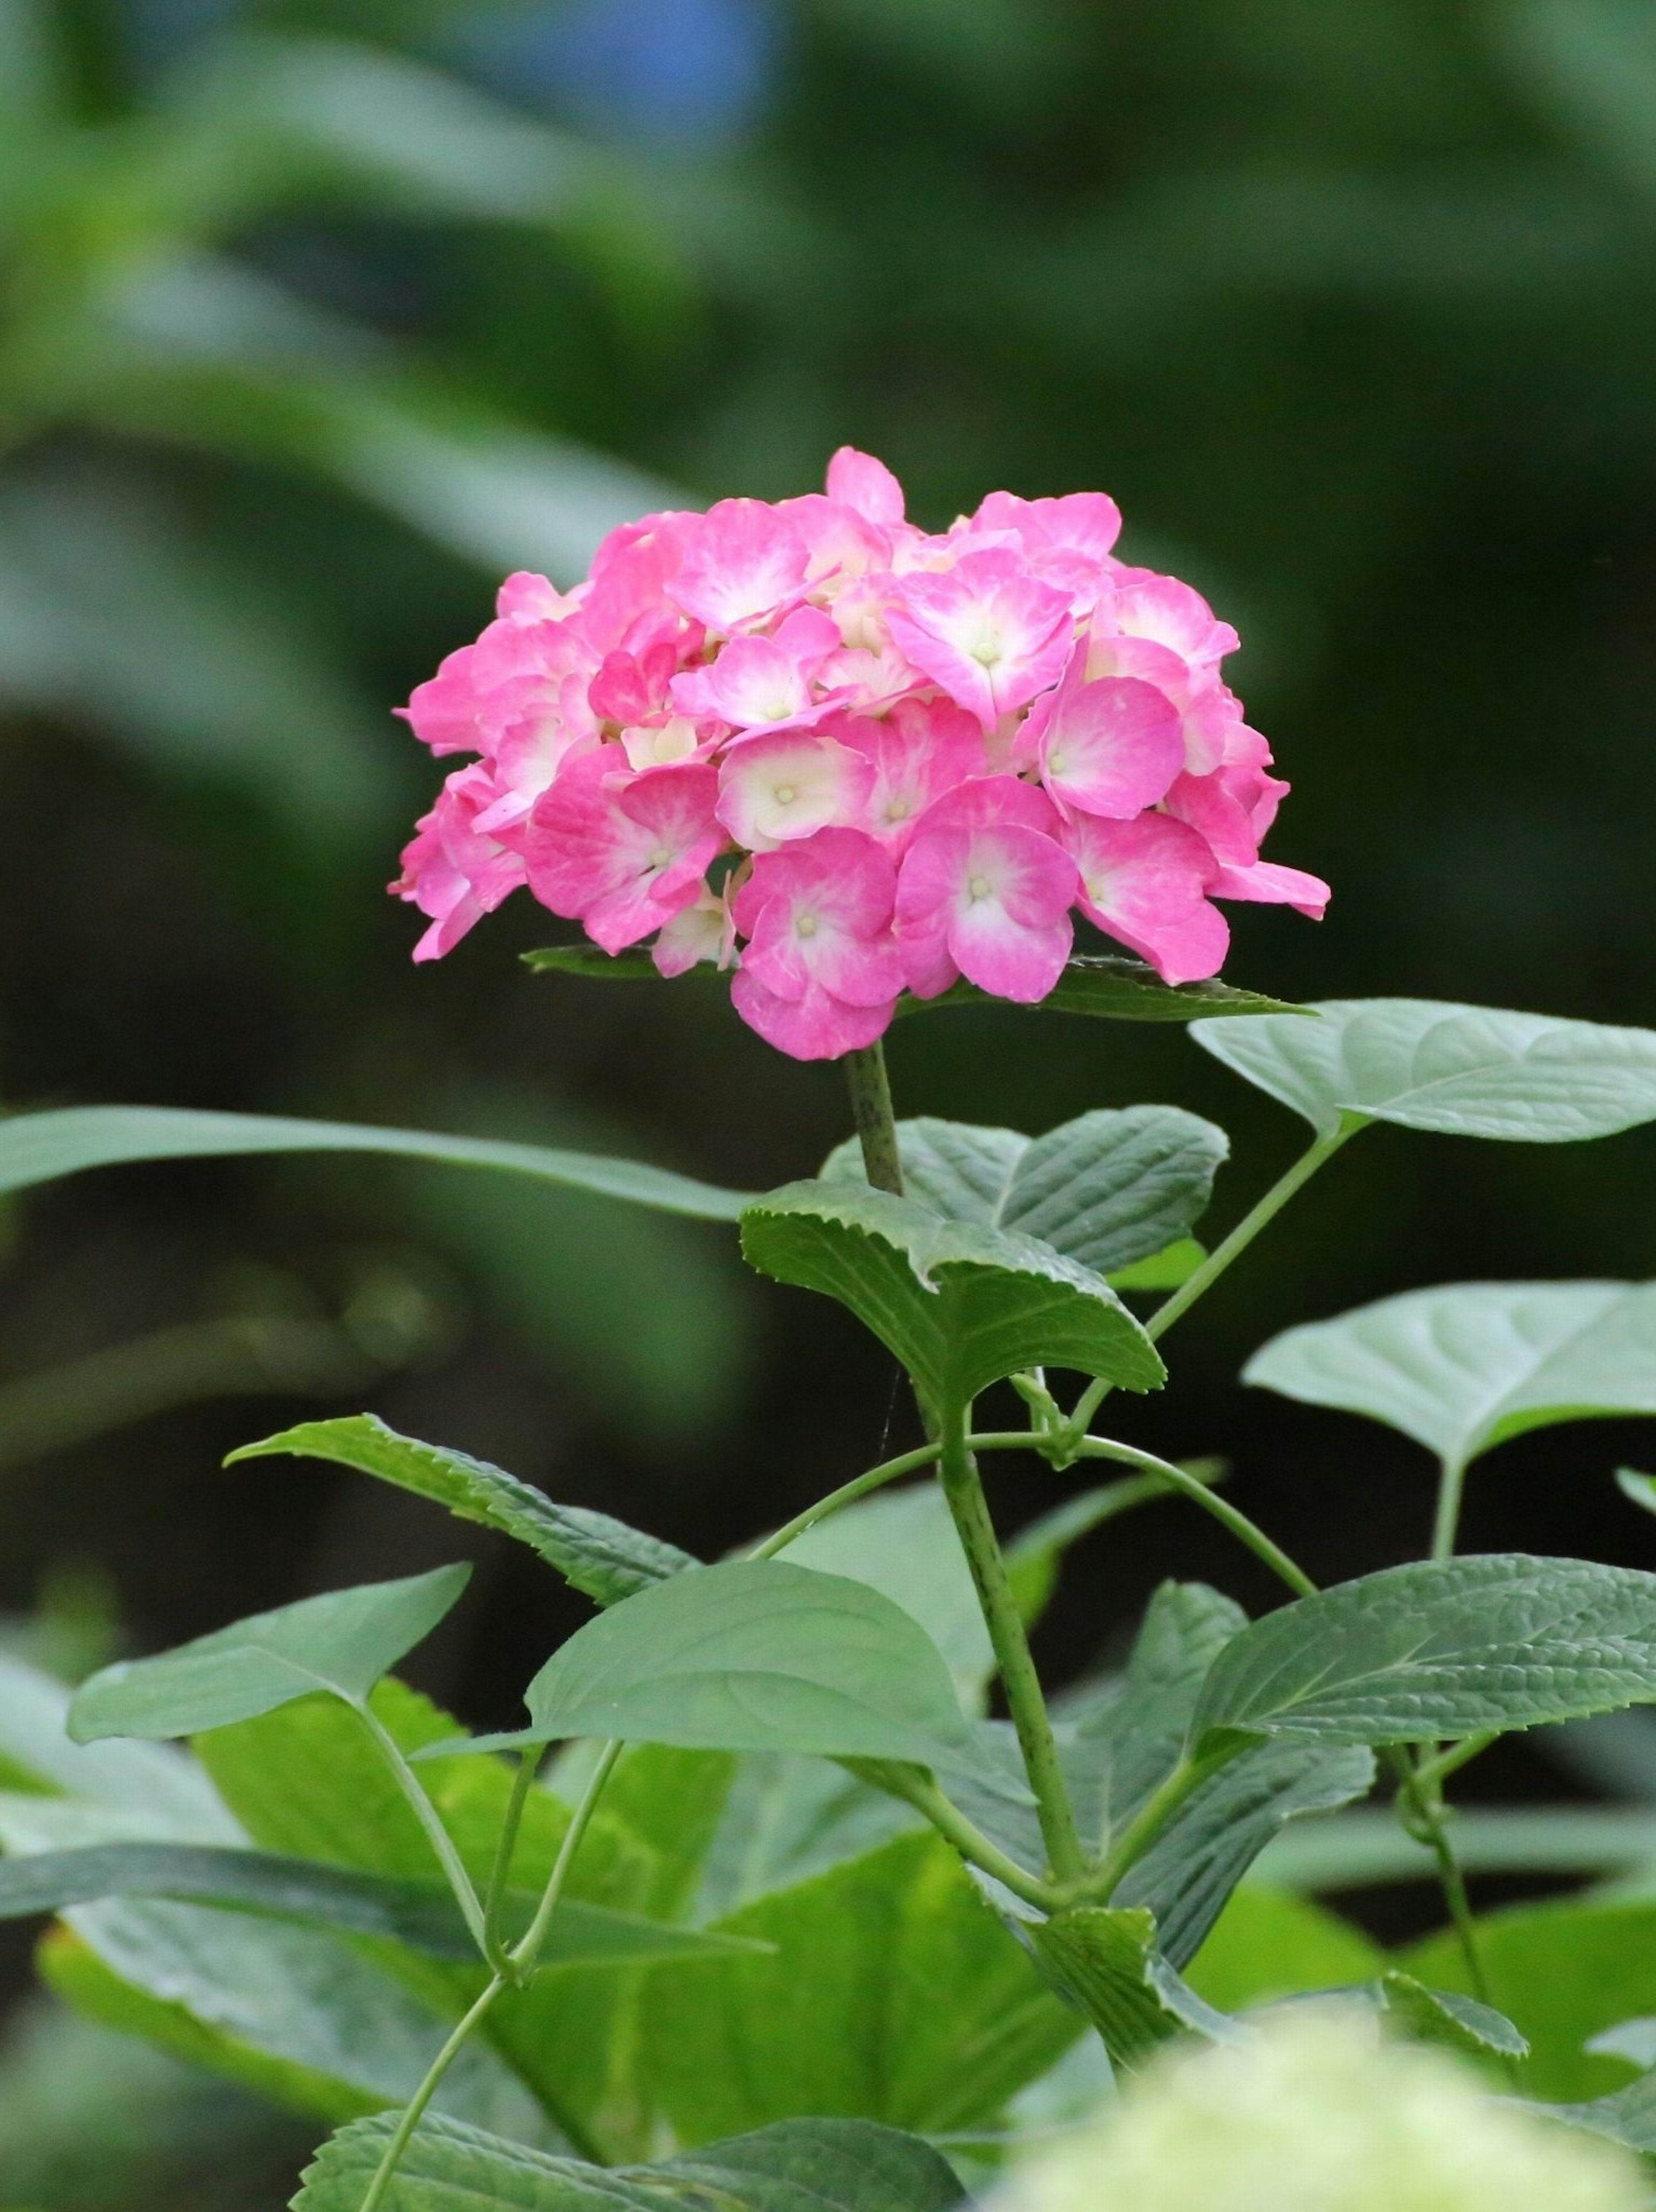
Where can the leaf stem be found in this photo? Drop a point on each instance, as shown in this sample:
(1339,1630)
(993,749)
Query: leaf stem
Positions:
(916,1787)
(1232,1517)
(430,1821)
(1426,1819)
(523,1955)
(962,1488)
(414,2110)
(1446,1520)
(494,1896)
(1258,1216)
(874,1478)
(876,1122)
(1432,1772)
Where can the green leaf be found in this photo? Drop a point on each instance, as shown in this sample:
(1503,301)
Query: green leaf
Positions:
(293,2012)
(1463,1368)
(894,1993)
(1627,2115)
(1438,1649)
(1462,1071)
(1562,1972)
(603,1558)
(754,1655)
(961,1306)
(1267,1945)
(343,1642)
(148,1782)
(36,1148)
(788,1819)
(1116,987)
(591,960)
(422,1914)
(1638,1489)
(1107,1963)
(1456,2023)
(1163,1271)
(800,2166)
(1109,1189)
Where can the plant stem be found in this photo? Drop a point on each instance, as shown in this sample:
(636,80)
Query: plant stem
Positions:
(1426,1810)
(414,2112)
(1432,1772)
(1446,1521)
(426,1814)
(494,1896)
(1231,1516)
(523,1955)
(848,1493)
(916,1787)
(958,1471)
(876,1123)
(1258,1216)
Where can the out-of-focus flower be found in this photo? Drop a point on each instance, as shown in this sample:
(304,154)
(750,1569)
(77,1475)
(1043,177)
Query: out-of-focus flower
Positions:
(1316,2114)
(986,730)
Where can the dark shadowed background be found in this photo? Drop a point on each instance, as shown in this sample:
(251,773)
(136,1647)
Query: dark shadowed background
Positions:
(317,317)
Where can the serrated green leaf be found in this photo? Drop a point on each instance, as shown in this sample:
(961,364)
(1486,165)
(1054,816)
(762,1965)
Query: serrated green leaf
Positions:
(1105,1961)
(798,2165)
(894,1993)
(961,1306)
(1441,2016)
(1115,988)
(1462,1071)
(1463,1368)
(422,1914)
(342,1642)
(37,1148)
(754,1655)
(1438,1649)
(602,1557)
(1111,1189)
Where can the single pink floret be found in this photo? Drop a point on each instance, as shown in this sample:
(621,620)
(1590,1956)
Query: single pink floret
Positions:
(760,682)
(921,749)
(774,788)
(451,871)
(1146,883)
(985,892)
(819,974)
(739,563)
(985,629)
(1113,747)
(622,853)
(859,481)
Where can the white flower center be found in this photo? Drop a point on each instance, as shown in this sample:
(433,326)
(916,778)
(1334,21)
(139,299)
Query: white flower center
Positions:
(977,887)
(804,924)
(785,794)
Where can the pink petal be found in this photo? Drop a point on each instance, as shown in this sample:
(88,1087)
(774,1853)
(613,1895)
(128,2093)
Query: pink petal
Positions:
(988,632)
(819,914)
(622,853)
(858,480)
(1146,883)
(997,897)
(740,562)
(922,749)
(815,1027)
(1269,881)
(773,788)
(1111,748)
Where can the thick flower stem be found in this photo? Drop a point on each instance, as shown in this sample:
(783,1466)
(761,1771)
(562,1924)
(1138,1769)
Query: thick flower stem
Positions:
(957,1472)
(876,1124)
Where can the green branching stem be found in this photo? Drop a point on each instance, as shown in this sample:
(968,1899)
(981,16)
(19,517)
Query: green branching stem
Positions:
(414,2112)
(1446,1521)
(916,1788)
(1258,1216)
(876,1123)
(500,1875)
(430,1821)
(1426,1817)
(962,1487)
(1432,1774)
(1187,1486)
(524,1954)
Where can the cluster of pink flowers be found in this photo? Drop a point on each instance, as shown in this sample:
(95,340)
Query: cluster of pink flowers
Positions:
(846,759)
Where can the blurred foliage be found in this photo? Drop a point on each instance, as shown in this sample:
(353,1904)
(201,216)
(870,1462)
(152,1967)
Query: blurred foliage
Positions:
(316,315)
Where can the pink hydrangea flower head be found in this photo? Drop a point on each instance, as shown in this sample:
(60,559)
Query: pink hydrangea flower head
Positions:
(986,630)
(1146,884)
(820,973)
(740,562)
(622,852)
(780,786)
(1112,747)
(452,872)
(985,892)
(758,682)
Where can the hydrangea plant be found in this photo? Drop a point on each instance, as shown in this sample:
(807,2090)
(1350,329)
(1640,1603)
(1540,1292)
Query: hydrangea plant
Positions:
(791,1915)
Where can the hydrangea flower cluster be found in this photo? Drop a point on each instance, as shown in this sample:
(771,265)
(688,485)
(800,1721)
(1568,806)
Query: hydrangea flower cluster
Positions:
(845,758)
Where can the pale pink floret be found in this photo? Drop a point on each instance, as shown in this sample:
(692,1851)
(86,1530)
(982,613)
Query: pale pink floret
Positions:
(776,787)
(921,749)
(858,480)
(985,892)
(740,562)
(1231,809)
(819,974)
(526,596)
(1112,747)
(621,852)
(1067,541)
(705,930)
(760,682)
(452,872)
(985,629)
(1146,883)
(1160,608)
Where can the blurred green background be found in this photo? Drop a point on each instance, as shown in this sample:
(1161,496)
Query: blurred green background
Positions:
(316,317)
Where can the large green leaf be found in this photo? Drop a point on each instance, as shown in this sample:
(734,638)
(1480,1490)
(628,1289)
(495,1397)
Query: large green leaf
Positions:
(894,1993)
(1464,1071)
(960,1305)
(602,1557)
(1107,1963)
(1110,1188)
(798,2165)
(754,1655)
(1117,988)
(1462,1368)
(1267,1945)
(788,1818)
(342,1642)
(36,1148)
(422,1914)
(146,1783)
(1439,1649)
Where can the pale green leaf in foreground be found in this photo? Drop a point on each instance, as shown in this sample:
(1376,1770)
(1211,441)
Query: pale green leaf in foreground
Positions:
(753,1656)
(342,1642)
(37,1148)
(1111,1189)
(959,1304)
(602,1557)
(798,2166)
(1462,1071)
(1438,1649)
(1463,1368)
